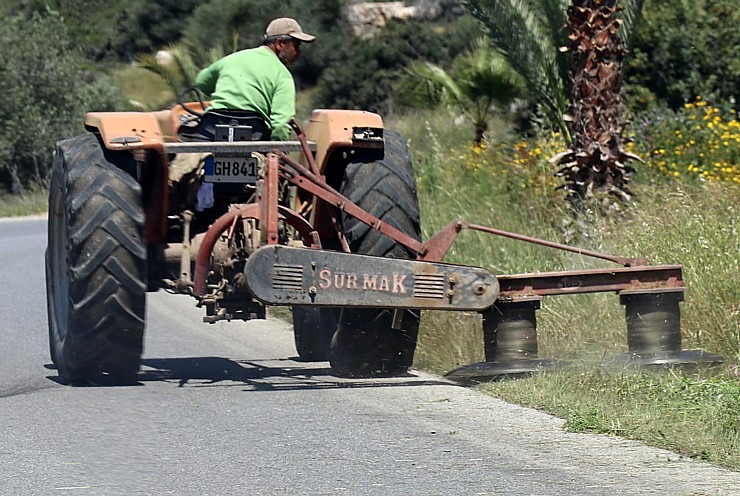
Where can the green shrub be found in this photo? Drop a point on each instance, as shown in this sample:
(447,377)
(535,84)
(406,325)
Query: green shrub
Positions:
(46,93)
(364,73)
(685,49)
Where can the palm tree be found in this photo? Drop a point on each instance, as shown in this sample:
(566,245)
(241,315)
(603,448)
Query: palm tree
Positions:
(478,81)
(528,37)
(180,72)
(575,76)
(596,161)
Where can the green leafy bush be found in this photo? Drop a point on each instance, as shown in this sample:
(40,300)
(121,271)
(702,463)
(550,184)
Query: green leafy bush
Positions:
(219,23)
(364,73)
(145,26)
(46,93)
(685,49)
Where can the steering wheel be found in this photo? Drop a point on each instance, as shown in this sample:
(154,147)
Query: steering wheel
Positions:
(199,95)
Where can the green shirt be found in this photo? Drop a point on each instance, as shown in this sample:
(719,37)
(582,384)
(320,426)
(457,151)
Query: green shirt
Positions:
(253,80)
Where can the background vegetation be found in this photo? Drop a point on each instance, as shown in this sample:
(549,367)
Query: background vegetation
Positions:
(62,58)
(683,215)
(680,50)
(46,84)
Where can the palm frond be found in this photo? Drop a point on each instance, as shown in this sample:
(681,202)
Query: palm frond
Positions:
(205,56)
(521,36)
(556,18)
(178,74)
(485,72)
(185,66)
(149,62)
(438,77)
(630,17)
(478,78)
(187,61)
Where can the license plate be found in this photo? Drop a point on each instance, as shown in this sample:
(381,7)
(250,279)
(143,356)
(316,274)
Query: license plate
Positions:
(220,169)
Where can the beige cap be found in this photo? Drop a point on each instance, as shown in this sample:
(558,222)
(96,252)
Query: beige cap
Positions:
(287,26)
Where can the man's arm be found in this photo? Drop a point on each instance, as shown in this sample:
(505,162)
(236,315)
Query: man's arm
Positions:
(283,109)
(206,79)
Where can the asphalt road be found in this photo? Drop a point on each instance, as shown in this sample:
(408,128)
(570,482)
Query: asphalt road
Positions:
(223,409)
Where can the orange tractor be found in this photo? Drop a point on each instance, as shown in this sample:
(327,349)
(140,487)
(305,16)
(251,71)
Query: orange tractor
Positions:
(327,224)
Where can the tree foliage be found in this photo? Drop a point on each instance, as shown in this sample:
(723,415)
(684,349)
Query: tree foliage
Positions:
(364,73)
(47,92)
(682,50)
(529,36)
(89,23)
(213,22)
(218,23)
(145,26)
(186,61)
(115,30)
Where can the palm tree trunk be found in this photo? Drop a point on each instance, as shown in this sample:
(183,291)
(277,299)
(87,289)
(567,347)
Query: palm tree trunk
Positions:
(480,132)
(596,163)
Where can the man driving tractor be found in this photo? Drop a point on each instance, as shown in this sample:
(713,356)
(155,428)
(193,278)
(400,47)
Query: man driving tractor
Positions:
(257,81)
(252,87)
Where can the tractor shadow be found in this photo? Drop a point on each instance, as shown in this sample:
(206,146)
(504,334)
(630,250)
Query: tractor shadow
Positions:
(264,375)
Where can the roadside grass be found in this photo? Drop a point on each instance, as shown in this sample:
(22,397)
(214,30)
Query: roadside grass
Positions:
(694,414)
(31,202)
(674,220)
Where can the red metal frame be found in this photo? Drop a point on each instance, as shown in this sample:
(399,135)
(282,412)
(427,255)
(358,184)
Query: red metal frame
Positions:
(635,275)
(619,279)
(303,178)
(223,223)
(268,193)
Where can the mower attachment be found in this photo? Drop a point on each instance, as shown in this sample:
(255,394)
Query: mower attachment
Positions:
(281,275)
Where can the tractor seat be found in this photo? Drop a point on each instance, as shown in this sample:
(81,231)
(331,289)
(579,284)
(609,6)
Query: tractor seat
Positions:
(227,125)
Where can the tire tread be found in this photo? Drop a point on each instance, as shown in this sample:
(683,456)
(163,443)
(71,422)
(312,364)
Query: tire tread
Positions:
(106,265)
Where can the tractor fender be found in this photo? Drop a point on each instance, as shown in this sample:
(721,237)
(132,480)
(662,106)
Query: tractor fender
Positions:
(337,129)
(132,130)
(143,134)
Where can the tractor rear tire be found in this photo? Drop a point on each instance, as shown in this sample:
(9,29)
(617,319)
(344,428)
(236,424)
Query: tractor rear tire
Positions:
(365,343)
(313,328)
(95,265)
